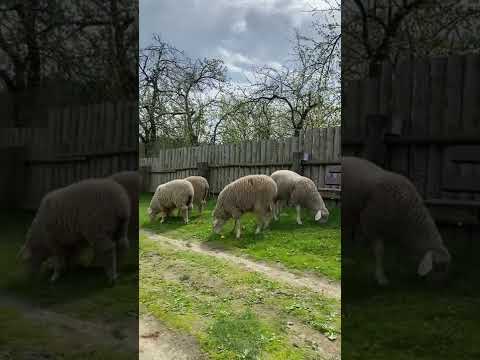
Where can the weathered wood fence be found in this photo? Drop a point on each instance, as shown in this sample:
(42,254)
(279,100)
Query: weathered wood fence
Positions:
(78,142)
(423,122)
(315,153)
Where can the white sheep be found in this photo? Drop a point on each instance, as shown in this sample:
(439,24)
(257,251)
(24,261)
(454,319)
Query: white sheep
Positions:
(175,194)
(92,213)
(299,192)
(388,208)
(255,193)
(200,189)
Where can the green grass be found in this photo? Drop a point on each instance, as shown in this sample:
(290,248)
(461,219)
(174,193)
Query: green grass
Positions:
(410,319)
(83,293)
(235,314)
(23,338)
(309,247)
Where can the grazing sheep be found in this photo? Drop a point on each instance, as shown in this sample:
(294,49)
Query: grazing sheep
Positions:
(254,193)
(200,190)
(131,181)
(90,213)
(175,194)
(388,209)
(300,192)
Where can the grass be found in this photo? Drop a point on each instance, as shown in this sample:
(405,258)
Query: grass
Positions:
(235,314)
(309,247)
(409,319)
(23,338)
(82,294)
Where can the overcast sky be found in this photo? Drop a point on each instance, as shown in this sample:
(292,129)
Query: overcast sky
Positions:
(241,32)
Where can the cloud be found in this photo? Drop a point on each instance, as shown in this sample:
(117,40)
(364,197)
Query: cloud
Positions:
(243,33)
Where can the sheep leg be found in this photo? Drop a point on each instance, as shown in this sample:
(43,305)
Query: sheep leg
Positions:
(122,241)
(278,208)
(110,265)
(275,209)
(299,210)
(185,213)
(266,222)
(237,227)
(260,222)
(58,266)
(379,251)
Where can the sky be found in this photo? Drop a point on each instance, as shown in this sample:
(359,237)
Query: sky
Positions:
(240,32)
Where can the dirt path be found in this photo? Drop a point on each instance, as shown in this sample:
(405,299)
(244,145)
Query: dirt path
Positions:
(157,342)
(82,334)
(312,282)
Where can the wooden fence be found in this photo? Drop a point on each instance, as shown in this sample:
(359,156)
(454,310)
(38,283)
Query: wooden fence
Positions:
(78,142)
(423,122)
(315,152)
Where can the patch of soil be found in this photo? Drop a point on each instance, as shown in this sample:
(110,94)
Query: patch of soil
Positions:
(299,333)
(315,283)
(157,342)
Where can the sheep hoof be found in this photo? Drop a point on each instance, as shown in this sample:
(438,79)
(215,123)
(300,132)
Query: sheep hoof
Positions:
(299,222)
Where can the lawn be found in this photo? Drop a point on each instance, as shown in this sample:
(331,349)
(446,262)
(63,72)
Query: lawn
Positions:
(410,319)
(309,247)
(234,313)
(82,294)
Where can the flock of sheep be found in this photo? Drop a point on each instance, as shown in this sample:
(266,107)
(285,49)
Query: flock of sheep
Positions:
(100,214)
(261,194)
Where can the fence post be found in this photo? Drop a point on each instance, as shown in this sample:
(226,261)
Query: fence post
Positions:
(203,170)
(297,165)
(145,174)
(375,148)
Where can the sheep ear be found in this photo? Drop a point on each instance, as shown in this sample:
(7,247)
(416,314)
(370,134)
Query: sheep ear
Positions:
(318,215)
(426,264)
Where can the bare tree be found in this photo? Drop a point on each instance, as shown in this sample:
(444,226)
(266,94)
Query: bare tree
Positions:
(391,31)
(43,40)
(176,93)
(309,82)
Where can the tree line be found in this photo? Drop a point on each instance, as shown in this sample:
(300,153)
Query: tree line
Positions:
(187,101)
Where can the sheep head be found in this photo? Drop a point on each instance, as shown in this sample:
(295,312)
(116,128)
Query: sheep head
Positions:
(435,264)
(220,217)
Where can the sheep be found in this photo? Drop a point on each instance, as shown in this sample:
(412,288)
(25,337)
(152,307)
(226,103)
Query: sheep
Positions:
(388,208)
(300,192)
(131,181)
(200,189)
(90,213)
(175,194)
(254,193)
